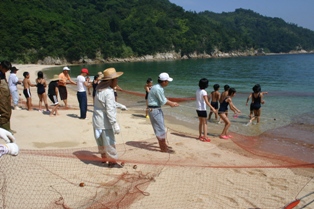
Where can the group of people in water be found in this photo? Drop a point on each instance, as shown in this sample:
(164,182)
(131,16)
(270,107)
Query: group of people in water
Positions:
(219,106)
(216,101)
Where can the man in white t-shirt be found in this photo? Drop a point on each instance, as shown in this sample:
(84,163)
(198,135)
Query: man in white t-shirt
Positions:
(81,83)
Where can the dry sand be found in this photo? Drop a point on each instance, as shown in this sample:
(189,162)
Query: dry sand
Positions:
(199,175)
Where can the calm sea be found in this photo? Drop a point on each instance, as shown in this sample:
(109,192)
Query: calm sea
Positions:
(287,115)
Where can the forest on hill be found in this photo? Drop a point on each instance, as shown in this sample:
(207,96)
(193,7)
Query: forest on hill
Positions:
(34,29)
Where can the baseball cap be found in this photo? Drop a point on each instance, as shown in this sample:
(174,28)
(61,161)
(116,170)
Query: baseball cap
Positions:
(164,77)
(66,68)
(84,70)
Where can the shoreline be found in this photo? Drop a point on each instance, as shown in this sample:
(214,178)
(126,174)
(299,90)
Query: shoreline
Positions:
(222,173)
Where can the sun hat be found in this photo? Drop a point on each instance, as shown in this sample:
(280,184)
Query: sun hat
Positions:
(110,73)
(100,75)
(164,77)
(84,70)
(66,68)
(55,78)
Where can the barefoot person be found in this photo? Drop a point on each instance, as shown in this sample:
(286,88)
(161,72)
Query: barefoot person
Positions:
(255,103)
(41,91)
(64,78)
(105,122)
(156,98)
(257,100)
(27,91)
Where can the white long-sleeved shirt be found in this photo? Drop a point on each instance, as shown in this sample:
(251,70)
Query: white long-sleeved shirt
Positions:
(13,81)
(105,112)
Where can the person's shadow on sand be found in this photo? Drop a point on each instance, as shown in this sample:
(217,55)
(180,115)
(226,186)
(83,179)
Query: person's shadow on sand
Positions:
(152,146)
(89,157)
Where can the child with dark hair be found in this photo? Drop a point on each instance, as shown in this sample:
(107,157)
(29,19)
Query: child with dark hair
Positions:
(201,102)
(41,90)
(257,100)
(147,87)
(27,92)
(214,97)
(224,95)
(255,88)
(223,112)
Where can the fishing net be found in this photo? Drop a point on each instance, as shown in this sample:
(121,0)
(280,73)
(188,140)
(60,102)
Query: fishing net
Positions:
(76,178)
(197,175)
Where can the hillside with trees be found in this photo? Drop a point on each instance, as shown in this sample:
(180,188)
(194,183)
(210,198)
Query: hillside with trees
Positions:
(34,29)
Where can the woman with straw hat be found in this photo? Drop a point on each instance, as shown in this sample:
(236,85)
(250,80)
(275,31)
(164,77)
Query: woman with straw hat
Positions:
(104,117)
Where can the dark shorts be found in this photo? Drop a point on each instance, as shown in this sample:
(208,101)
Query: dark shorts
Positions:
(115,94)
(54,99)
(214,104)
(63,92)
(201,113)
(27,93)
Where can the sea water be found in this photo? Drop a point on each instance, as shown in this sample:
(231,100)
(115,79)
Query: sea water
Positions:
(288,79)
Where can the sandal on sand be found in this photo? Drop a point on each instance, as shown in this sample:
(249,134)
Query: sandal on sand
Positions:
(229,136)
(223,137)
(206,139)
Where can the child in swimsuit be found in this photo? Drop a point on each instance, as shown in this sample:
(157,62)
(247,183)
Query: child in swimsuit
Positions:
(215,95)
(41,90)
(147,87)
(257,100)
(27,92)
(223,112)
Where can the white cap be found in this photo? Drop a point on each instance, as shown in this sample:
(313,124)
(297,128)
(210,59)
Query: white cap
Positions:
(66,68)
(164,77)
(13,149)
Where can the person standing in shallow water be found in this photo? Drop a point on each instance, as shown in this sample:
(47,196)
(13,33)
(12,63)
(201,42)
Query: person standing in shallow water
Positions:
(156,98)
(257,100)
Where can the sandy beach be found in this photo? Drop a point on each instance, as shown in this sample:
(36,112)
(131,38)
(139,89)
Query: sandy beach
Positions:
(58,153)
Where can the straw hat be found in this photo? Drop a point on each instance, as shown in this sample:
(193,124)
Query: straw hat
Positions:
(110,73)
(55,78)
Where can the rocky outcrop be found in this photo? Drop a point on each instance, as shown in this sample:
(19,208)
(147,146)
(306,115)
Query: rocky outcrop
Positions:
(161,56)
(52,61)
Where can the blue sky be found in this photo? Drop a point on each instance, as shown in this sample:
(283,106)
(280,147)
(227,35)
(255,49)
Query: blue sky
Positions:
(300,12)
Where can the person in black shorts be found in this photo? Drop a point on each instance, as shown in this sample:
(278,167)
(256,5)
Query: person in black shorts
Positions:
(53,94)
